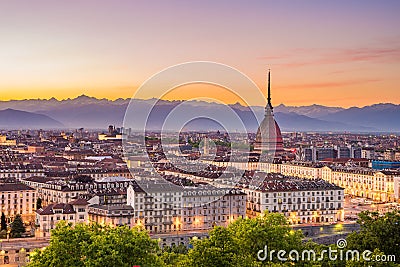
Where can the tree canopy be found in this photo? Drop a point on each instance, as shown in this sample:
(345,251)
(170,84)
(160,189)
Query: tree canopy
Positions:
(96,245)
(17,226)
(238,244)
(3,222)
(377,232)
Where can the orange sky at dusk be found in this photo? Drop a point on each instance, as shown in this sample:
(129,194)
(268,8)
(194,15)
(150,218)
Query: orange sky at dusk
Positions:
(341,53)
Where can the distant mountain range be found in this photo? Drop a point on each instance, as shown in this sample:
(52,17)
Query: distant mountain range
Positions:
(90,112)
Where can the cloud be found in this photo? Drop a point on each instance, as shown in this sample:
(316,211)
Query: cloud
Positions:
(362,54)
(328,84)
(337,56)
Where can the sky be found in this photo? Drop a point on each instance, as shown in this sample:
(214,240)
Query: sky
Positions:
(337,53)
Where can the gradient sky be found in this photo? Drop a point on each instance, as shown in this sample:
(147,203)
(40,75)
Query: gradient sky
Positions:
(336,53)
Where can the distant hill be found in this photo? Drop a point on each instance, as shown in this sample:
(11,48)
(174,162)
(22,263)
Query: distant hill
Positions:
(17,119)
(313,111)
(296,122)
(90,112)
(385,117)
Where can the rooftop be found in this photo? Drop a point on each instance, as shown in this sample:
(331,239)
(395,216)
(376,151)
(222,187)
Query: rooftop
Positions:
(14,187)
(50,209)
(272,182)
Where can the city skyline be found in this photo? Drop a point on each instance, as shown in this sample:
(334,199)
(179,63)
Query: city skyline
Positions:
(199,133)
(333,54)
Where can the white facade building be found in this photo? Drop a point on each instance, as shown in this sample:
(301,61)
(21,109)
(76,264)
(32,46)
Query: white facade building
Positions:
(18,199)
(48,217)
(165,208)
(300,200)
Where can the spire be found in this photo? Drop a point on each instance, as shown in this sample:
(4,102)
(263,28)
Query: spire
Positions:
(269,105)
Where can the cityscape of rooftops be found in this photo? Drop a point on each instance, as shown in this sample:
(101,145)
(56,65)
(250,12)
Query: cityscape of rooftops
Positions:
(200,133)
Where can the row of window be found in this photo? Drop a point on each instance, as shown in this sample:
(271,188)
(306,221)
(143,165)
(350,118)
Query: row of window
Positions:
(306,206)
(10,195)
(70,217)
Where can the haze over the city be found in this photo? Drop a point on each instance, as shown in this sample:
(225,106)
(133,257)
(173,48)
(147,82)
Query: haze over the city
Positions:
(337,53)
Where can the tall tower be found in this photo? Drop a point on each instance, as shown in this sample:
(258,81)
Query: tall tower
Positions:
(269,137)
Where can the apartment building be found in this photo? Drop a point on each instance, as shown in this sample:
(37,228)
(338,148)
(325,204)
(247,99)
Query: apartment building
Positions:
(61,191)
(18,199)
(19,171)
(165,208)
(48,217)
(115,215)
(300,200)
(363,182)
(379,185)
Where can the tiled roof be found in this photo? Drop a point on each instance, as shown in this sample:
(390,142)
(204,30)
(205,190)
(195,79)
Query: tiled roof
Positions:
(49,210)
(38,179)
(79,201)
(14,187)
(270,182)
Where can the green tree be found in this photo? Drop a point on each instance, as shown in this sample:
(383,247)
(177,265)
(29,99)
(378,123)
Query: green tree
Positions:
(3,222)
(173,256)
(377,232)
(96,245)
(17,226)
(173,259)
(180,249)
(239,243)
(371,263)
(218,250)
(39,203)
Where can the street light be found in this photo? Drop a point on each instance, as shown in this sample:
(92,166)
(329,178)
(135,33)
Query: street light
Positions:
(177,225)
(197,222)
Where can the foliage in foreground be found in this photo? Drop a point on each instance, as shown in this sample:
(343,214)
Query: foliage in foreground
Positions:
(377,232)
(96,245)
(235,245)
